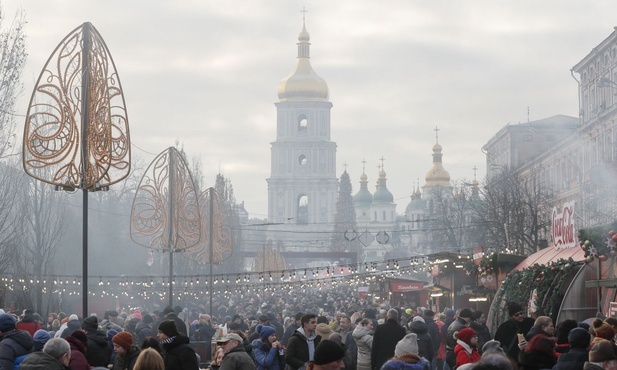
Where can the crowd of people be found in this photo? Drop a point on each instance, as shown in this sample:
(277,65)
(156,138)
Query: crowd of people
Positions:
(268,335)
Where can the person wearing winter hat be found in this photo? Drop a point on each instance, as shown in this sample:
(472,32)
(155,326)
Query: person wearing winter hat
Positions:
(178,354)
(601,330)
(268,352)
(328,356)
(78,343)
(562,330)
(71,327)
(425,342)
(577,354)
(462,321)
(466,350)
(41,337)
(406,355)
(99,352)
(235,357)
(14,343)
(126,352)
(323,330)
(601,356)
(507,332)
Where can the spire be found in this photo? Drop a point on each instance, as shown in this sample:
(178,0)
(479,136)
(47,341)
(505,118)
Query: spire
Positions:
(363,197)
(437,174)
(382,194)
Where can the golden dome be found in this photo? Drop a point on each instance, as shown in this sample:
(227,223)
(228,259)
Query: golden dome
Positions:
(303,83)
(437,175)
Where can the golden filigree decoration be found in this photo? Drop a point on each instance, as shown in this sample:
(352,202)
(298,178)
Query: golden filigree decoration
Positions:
(76,133)
(222,242)
(268,259)
(165,212)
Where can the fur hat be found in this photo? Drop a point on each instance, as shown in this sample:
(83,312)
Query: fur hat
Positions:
(579,338)
(81,336)
(602,351)
(465,335)
(264,331)
(90,323)
(602,329)
(514,308)
(492,346)
(465,313)
(124,339)
(169,328)
(407,345)
(324,331)
(7,322)
(328,351)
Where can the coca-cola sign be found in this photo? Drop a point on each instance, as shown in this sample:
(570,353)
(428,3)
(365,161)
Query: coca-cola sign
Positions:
(563,227)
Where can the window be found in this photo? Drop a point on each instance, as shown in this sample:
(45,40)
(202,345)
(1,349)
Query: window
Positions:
(302,160)
(302,213)
(302,123)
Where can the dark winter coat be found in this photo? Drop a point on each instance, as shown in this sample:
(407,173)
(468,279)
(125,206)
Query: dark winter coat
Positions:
(141,332)
(237,359)
(484,335)
(291,329)
(297,353)
(178,354)
(425,342)
(535,360)
(98,353)
(433,331)
(41,361)
(456,325)
(14,343)
(130,327)
(535,331)
(506,335)
(267,357)
(574,359)
(78,354)
(180,324)
(385,339)
(127,360)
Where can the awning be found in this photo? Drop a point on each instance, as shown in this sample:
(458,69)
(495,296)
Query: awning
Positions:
(548,255)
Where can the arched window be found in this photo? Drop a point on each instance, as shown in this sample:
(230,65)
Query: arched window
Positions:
(302,123)
(302,212)
(302,160)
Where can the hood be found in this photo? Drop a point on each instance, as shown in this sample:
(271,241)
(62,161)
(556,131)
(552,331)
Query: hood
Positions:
(97,337)
(300,332)
(21,338)
(361,331)
(76,344)
(419,327)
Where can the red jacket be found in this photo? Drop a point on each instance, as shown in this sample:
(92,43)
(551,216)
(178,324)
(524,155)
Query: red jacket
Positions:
(464,357)
(29,326)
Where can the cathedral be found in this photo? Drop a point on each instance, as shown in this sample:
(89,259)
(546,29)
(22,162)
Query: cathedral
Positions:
(303,185)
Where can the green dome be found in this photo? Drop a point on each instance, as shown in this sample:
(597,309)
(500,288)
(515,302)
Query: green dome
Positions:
(363,198)
(416,204)
(383,195)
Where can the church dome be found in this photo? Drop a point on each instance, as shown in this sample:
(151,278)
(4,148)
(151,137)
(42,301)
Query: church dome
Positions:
(363,197)
(416,204)
(382,194)
(303,83)
(437,175)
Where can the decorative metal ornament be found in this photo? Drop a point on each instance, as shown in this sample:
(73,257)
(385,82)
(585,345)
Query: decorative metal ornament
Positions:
(382,237)
(76,134)
(268,259)
(165,211)
(221,232)
(366,238)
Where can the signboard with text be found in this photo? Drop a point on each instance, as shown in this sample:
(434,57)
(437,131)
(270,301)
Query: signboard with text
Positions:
(562,227)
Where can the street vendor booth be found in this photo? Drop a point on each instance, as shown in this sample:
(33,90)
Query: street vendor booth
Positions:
(407,292)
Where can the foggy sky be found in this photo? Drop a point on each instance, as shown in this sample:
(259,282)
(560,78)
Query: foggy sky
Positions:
(204,73)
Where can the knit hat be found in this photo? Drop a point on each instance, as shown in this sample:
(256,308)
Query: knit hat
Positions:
(466,334)
(40,338)
(408,311)
(124,339)
(71,327)
(324,331)
(418,318)
(81,336)
(147,319)
(264,331)
(429,313)
(7,322)
(514,308)
(602,351)
(602,329)
(492,346)
(465,313)
(328,351)
(407,345)
(563,330)
(579,338)
(169,328)
(90,323)
(137,315)
(167,310)
(449,312)
(73,317)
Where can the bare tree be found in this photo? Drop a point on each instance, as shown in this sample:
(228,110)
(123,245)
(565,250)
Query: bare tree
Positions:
(12,60)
